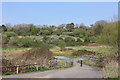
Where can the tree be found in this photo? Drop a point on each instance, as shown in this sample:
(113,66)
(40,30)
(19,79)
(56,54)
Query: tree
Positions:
(109,34)
(70,27)
(97,27)
(4,28)
(35,31)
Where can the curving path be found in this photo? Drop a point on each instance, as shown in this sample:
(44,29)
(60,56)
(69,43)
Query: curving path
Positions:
(74,72)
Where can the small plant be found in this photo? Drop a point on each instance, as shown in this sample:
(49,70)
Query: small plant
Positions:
(7,73)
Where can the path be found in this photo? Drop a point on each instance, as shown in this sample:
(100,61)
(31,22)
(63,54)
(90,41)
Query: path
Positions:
(75,72)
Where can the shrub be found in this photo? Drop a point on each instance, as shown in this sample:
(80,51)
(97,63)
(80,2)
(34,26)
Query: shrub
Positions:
(87,40)
(84,52)
(61,44)
(78,40)
(7,73)
(10,34)
(69,39)
(79,32)
(57,32)
(14,41)
(92,39)
(40,55)
(5,39)
(46,32)
(60,38)
(45,39)
(25,42)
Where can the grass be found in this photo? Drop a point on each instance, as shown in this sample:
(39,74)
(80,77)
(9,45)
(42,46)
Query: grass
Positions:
(7,73)
(111,71)
(61,65)
(106,50)
(39,69)
(96,63)
(11,52)
(13,48)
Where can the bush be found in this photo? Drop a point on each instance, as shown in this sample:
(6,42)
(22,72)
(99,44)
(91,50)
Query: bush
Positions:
(62,44)
(14,41)
(46,39)
(46,32)
(84,52)
(10,34)
(58,32)
(69,39)
(60,38)
(79,32)
(25,42)
(71,34)
(7,73)
(78,40)
(87,40)
(92,39)
(5,39)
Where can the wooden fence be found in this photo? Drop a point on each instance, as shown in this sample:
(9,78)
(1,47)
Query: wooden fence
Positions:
(22,68)
(19,68)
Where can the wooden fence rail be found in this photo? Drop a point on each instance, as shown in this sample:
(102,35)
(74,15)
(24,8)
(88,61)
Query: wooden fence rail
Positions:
(23,68)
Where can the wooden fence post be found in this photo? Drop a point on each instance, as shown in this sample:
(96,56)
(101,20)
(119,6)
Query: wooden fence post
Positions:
(17,69)
(37,67)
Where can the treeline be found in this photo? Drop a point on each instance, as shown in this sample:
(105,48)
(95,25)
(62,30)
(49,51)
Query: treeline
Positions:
(74,30)
(100,32)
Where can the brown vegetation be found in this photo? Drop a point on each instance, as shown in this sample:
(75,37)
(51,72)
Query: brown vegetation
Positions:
(84,52)
(36,55)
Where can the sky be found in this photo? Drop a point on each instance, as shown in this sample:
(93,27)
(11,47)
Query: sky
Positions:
(56,13)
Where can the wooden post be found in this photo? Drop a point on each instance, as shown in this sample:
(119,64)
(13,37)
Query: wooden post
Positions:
(37,67)
(81,63)
(17,69)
